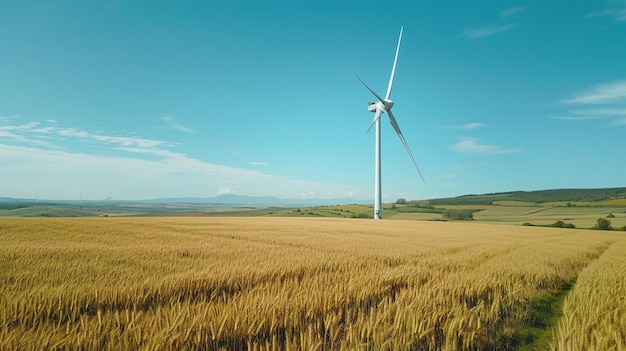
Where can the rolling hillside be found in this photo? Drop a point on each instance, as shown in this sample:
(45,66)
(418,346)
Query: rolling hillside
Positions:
(537,197)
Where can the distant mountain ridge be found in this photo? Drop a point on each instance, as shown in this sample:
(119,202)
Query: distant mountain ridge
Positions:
(537,196)
(225,199)
(232,199)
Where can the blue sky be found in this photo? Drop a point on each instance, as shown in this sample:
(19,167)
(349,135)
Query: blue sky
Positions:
(151,99)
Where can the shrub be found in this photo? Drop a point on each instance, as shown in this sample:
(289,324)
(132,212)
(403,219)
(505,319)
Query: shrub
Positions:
(561,224)
(460,215)
(603,224)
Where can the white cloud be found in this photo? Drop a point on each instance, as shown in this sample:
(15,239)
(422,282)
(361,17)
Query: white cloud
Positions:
(474,33)
(473,125)
(579,118)
(603,111)
(16,133)
(225,191)
(58,174)
(620,122)
(503,25)
(146,168)
(594,114)
(610,99)
(71,132)
(473,146)
(129,141)
(617,14)
(33,131)
(166,154)
(614,92)
(257,163)
(512,11)
(26,126)
(175,125)
(466,167)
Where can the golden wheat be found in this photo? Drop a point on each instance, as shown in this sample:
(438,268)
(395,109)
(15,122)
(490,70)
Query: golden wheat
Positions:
(299,284)
(595,312)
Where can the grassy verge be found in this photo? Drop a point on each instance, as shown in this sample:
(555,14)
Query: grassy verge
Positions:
(543,315)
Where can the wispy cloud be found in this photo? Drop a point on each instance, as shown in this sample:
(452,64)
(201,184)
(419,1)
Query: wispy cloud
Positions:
(473,125)
(579,117)
(473,146)
(512,11)
(474,33)
(252,163)
(618,14)
(165,154)
(503,25)
(594,114)
(175,125)
(225,191)
(124,167)
(469,166)
(603,111)
(608,99)
(601,94)
(620,122)
(56,136)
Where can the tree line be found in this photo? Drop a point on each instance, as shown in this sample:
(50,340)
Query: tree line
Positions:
(539,196)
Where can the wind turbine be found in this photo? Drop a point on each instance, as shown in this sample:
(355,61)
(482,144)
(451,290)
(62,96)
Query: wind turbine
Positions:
(380,107)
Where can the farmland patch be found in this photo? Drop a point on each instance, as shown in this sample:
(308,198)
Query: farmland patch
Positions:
(300,283)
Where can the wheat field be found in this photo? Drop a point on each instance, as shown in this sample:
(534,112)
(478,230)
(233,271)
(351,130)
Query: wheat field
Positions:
(307,284)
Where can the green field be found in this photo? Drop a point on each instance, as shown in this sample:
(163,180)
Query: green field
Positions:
(578,208)
(510,212)
(581,217)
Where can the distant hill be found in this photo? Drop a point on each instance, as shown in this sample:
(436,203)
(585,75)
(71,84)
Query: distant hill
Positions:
(7,203)
(538,197)
(232,199)
(167,206)
(226,199)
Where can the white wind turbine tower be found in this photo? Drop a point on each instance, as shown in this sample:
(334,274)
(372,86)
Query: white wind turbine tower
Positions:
(380,107)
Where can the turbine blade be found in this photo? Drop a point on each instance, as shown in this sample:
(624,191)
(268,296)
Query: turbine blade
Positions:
(376,117)
(368,88)
(395,126)
(393,70)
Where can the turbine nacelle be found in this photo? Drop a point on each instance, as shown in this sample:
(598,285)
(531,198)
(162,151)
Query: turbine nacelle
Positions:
(382,106)
(371,106)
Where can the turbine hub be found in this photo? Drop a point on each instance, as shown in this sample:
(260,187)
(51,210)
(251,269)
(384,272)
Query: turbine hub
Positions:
(388,105)
(382,106)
